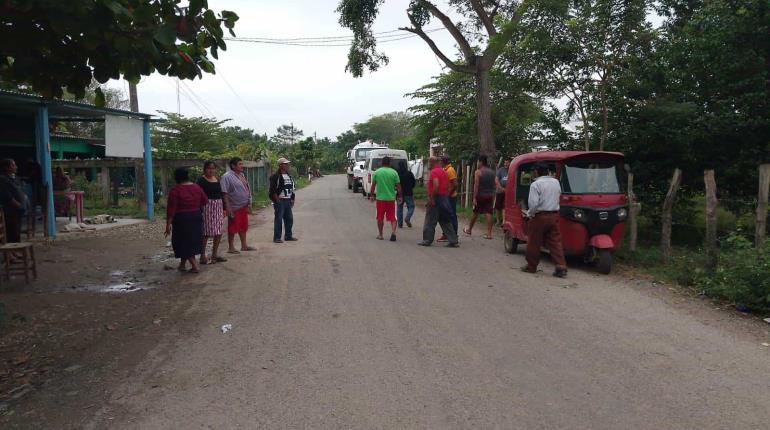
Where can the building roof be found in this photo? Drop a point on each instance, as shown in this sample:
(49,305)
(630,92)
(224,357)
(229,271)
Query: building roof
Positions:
(12,101)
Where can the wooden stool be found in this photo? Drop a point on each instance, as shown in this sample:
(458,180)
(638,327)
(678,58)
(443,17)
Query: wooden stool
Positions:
(16,266)
(24,266)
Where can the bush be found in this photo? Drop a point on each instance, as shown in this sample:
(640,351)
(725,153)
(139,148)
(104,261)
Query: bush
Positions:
(742,275)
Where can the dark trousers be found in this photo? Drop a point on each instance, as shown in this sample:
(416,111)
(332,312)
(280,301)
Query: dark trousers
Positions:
(434,216)
(453,205)
(284,219)
(409,202)
(544,230)
(13,225)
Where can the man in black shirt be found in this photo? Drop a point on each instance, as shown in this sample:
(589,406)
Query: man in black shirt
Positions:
(282,194)
(407,192)
(12,200)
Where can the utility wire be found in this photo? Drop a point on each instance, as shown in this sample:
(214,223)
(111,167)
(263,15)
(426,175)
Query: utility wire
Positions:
(383,34)
(191,100)
(235,93)
(212,112)
(321,42)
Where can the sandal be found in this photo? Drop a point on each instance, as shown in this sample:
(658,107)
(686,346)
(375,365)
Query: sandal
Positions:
(220,259)
(466,231)
(233,252)
(380,238)
(487,237)
(249,248)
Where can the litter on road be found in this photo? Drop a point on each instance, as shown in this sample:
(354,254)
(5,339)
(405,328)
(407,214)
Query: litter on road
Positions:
(226,328)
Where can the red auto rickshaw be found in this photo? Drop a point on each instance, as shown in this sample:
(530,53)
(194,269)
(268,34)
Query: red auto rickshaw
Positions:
(592,207)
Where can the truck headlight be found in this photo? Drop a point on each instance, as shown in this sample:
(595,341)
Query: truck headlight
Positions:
(622,214)
(579,215)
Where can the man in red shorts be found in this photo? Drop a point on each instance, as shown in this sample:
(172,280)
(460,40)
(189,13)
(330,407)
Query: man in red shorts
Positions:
(386,185)
(236,191)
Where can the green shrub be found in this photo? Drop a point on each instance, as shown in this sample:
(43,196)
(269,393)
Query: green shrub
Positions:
(727,222)
(742,275)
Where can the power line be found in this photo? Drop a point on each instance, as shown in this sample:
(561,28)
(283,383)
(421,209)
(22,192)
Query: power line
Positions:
(194,103)
(320,42)
(235,93)
(383,34)
(210,109)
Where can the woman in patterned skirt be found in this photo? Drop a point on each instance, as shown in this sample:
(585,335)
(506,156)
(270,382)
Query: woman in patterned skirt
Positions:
(214,212)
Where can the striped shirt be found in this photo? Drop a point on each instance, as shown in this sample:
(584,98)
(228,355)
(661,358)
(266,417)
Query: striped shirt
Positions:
(237,189)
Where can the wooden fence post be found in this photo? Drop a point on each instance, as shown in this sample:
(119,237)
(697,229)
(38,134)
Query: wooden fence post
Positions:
(633,209)
(764,186)
(668,205)
(105,183)
(711,218)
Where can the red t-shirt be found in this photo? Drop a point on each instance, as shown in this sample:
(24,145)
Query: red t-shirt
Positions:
(443,181)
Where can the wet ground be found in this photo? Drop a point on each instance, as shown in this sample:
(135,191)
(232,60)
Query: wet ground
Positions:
(102,300)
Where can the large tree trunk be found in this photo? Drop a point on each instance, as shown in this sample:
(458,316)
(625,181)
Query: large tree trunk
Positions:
(484,114)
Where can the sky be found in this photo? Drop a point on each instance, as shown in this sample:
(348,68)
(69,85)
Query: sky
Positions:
(304,85)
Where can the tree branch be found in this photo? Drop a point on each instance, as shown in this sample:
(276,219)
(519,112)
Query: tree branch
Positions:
(485,19)
(451,64)
(465,47)
(498,43)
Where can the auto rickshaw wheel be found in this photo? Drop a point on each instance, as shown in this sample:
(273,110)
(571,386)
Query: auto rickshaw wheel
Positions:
(511,244)
(604,261)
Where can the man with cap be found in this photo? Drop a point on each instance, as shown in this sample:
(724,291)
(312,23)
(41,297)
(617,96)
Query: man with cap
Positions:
(282,194)
(543,214)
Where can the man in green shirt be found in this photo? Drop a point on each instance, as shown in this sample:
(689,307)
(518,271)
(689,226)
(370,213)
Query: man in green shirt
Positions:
(387,187)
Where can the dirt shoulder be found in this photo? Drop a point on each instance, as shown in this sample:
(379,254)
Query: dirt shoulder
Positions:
(64,338)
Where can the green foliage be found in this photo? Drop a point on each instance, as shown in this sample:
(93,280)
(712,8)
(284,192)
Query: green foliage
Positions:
(105,39)
(199,137)
(742,275)
(448,114)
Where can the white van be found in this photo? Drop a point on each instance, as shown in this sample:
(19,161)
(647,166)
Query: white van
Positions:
(356,160)
(374,162)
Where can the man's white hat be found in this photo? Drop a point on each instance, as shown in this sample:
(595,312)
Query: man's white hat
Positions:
(283,161)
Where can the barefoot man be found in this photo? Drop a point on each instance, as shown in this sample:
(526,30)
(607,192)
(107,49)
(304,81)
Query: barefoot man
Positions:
(236,191)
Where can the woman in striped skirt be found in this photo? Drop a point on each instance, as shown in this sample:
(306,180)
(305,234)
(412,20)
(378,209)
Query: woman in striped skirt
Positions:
(214,212)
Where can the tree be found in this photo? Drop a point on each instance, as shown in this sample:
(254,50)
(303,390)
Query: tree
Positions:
(499,19)
(390,128)
(286,135)
(447,113)
(579,57)
(77,41)
(188,137)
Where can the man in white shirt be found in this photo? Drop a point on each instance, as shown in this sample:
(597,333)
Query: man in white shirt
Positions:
(543,213)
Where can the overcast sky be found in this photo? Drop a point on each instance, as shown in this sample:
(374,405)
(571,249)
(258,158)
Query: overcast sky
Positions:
(305,85)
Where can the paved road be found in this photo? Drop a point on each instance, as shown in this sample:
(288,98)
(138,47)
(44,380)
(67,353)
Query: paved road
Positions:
(343,331)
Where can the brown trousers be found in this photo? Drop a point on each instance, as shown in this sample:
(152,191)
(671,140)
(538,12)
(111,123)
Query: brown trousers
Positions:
(544,229)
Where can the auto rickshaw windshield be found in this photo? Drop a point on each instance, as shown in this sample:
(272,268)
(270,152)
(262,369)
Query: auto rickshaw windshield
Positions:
(592,177)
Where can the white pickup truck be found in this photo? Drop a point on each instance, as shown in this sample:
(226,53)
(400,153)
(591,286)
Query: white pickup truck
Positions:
(374,162)
(356,160)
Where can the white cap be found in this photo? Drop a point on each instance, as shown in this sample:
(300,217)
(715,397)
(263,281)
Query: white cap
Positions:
(283,161)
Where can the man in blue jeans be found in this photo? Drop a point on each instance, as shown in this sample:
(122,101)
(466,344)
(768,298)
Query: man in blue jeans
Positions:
(407,192)
(282,194)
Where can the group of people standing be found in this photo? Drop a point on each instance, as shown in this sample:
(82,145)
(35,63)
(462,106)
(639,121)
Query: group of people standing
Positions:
(393,189)
(196,211)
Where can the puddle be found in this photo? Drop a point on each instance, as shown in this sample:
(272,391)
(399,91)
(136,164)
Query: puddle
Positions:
(126,287)
(161,258)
